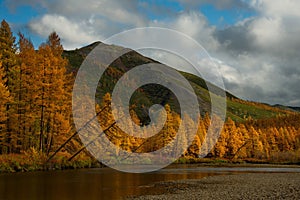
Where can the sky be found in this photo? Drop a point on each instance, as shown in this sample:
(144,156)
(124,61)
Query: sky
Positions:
(256,43)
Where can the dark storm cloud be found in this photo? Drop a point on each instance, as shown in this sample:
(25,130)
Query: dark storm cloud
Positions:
(236,39)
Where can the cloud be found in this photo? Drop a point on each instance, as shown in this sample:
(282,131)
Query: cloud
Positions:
(224,4)
(13,4)
(121,12)
(276,7)
(81,22)
(265,49)
(258,56)
(195,25)
(72,34)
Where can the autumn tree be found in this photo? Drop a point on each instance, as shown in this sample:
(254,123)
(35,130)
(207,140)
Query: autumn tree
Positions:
(7,50)
(23,91)
(53,101)
(9,61)
(220,147)
(235,139)
(194,149)
(4,100)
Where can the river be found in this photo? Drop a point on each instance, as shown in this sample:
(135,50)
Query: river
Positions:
(104,183)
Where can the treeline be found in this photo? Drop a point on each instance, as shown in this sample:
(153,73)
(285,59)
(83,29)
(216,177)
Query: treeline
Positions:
(274,139)
(267,139)
(35,93)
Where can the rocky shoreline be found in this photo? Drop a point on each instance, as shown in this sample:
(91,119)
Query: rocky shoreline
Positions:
(235,186)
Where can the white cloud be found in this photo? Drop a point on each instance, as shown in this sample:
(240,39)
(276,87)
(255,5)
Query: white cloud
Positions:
(72,34)
(275,8)
(195,25)
(229,73)
(267,31)
(81,22)
(279,23)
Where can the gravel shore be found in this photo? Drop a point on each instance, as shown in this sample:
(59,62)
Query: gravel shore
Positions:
(237,186)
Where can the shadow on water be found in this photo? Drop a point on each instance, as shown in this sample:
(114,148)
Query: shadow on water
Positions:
(103,183)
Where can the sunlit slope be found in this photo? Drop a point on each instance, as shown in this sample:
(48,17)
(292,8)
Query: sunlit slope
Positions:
(237,109)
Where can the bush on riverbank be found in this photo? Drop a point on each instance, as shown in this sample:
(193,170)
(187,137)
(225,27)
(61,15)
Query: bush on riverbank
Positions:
(33,160)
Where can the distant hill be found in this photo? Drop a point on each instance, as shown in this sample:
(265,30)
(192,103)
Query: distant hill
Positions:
(295,108)
(290,108)
(237,109)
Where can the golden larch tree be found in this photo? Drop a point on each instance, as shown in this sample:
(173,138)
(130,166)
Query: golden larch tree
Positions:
(4,100)
(8,59)
(54,94)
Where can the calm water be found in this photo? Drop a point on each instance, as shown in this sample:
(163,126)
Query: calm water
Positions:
(102,183)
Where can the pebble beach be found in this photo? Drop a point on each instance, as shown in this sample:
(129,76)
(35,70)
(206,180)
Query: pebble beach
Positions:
(235,186)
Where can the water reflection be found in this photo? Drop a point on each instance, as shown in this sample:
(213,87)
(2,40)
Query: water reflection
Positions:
(102,183)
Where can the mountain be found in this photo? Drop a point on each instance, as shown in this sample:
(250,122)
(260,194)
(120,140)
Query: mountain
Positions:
(290,108)
(144,97)
(295,108)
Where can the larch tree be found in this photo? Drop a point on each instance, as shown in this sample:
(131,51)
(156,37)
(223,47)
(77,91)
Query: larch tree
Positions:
(235,140)
(220,147)
(4,100)
(9,61)
(194,149)
(7,50)
(245,137)
(23,91)
(255,142)
(54,99)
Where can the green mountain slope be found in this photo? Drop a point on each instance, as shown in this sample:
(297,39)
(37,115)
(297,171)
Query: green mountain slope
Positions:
(143,98)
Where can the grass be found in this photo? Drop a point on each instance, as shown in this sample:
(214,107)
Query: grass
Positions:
(243,111)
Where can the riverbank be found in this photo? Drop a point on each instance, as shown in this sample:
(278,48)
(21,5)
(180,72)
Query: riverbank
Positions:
(235,186)
(33,161)
(28,162)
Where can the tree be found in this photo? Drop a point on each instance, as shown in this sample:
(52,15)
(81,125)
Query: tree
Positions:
(194,149)
(235,139)
(54,100)
(7,50)
(256,144)
(220,147)
(23,90)
(9,61)
(4,100)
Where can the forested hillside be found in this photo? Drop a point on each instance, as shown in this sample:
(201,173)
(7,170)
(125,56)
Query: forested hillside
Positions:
(36,119)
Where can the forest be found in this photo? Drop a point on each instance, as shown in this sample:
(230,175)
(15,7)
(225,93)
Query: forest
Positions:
(274,139)
(36,117)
